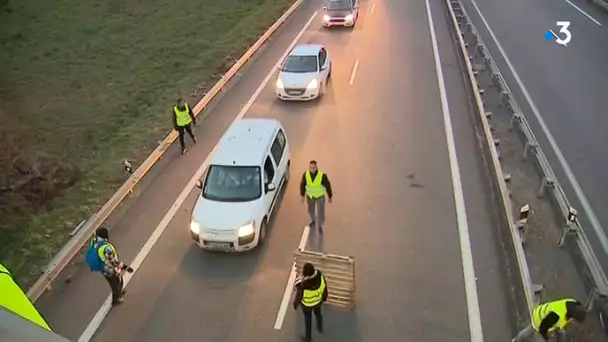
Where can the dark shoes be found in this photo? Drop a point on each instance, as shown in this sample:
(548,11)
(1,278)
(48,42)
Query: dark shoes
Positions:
(184,150)
(306,339)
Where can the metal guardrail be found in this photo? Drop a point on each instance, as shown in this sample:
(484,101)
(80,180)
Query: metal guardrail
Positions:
(601,3)
(72,248)
(339,272)
(532,151)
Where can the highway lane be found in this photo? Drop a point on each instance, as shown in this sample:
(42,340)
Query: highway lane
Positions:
(382,142)
(567,86)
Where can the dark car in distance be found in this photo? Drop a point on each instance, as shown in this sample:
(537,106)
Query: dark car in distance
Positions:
(341,13)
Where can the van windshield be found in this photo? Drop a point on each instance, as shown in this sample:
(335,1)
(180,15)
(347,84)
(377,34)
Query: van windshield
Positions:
(232,183)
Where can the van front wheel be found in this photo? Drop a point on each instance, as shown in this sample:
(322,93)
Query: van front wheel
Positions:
(262,237)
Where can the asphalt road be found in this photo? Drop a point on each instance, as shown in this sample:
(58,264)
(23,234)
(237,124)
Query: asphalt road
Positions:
(567,86)
(382,141)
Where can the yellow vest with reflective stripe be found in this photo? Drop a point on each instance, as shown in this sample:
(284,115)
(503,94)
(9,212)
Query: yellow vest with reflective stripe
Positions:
(183,118)
(313,298)
(558,307)
(102,255)
(15,300)
(314,188)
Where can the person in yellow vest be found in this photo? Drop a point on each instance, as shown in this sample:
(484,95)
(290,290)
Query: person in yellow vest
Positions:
(14,299)
(311,293)
(183,118)
(551,318)
(314,188)
(111,267)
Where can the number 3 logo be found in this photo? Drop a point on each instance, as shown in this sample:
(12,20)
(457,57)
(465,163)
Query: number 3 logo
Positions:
(564,30)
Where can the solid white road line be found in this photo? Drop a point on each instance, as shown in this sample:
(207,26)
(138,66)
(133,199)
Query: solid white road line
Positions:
(371,10)
(278,323)
(461,212)
(583,12)
(164,223)
(353,73)
(595,223)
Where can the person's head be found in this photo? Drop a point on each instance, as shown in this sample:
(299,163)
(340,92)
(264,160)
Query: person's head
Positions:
(102,232)
(312,166)
(577,312)
(180,103)
(308,270)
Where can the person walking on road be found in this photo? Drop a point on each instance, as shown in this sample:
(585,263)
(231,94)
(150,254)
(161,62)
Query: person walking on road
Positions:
(311,293)
(551,318)
(183,118)
(102,257)
(314,187)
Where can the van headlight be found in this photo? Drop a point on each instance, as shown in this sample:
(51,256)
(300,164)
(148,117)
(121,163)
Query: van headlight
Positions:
(314,84)
(280,84)
(349,17)
(195,227)
(246,230)
(326,18)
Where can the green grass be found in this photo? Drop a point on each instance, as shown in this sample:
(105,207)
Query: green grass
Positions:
(86,84)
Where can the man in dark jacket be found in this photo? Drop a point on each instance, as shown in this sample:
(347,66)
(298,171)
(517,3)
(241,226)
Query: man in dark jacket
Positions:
(314,188)
(183,118)
(311,293)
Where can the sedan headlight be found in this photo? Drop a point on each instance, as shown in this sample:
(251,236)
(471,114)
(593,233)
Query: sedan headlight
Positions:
(246,230)
(195,227)
(314,84)
(326,18)
(349,17)
(280,84)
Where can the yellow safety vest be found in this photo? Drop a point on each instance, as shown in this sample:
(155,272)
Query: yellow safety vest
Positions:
(183,118)
(558,307)
(312,298)
(102,255)
(314,188)
(15,300)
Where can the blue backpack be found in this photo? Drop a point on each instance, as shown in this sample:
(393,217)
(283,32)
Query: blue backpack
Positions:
(93,260)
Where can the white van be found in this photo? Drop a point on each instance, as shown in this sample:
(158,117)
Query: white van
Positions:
(241,185)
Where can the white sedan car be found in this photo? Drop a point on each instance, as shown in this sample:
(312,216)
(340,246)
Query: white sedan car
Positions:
(304,74)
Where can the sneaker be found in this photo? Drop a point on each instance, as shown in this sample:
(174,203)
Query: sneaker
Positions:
(118,301)
(305,339)
(194,139)
(184,151)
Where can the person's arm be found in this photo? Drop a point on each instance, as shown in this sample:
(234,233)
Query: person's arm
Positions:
(547,323)
(174,119)
(327,185)
(191,115)
(325,292)
(303,185)
(298,297)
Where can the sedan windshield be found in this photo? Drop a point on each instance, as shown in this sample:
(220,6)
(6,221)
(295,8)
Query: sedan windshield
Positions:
(232,183)
(338,6)
(300,64)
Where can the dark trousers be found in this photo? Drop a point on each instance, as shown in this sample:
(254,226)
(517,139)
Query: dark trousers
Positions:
(115,282)
(308,320)
(182,130)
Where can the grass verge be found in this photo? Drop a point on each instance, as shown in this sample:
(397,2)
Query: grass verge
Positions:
(84,85)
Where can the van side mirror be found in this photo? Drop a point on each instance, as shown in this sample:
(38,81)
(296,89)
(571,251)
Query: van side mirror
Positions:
(270,187)
(199,184)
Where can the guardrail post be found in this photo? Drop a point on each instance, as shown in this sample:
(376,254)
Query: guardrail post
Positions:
(516,117)
(593,296)
(569,226)
(539,292)
(521,225)
(529,147)
(546,183)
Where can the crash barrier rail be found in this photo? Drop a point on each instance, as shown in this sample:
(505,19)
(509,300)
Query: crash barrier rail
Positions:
(602,3)
(339,272)
(532,151)
(86,230)
(460,19)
